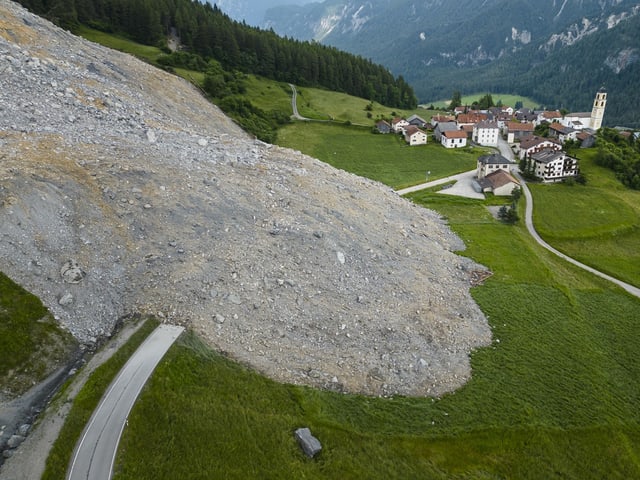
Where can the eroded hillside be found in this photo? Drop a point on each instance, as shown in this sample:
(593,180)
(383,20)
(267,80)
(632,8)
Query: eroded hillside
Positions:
(122,190)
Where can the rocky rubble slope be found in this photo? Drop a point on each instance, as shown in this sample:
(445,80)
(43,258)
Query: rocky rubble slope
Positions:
(122,190)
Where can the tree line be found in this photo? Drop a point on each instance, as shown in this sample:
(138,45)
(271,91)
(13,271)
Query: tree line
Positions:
(206,31)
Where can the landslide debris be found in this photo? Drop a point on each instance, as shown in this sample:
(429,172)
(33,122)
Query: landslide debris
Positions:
(123,190)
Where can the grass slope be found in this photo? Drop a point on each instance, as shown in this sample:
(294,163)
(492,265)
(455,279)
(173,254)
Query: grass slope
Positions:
(598,224)
(385,158)
(506,98)
(32,345)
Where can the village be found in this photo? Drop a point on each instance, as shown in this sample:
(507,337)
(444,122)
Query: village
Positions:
(541,154)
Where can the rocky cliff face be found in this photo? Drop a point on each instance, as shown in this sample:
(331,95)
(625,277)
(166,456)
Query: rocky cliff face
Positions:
(122,190)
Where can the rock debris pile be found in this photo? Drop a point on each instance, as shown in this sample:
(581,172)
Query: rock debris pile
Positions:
(122,190)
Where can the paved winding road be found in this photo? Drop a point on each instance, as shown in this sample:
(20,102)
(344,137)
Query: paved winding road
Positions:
(95,452)
(506,151)
(294,103)
(532,230)
(465,190)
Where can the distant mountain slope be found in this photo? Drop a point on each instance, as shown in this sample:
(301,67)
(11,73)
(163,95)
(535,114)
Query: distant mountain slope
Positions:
(484,44)
(251,11)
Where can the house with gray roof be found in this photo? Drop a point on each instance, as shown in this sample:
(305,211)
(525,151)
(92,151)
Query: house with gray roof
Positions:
(444,127)
(491,163)
(554,166)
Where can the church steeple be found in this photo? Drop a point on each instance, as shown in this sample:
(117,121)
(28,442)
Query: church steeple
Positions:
(597,113)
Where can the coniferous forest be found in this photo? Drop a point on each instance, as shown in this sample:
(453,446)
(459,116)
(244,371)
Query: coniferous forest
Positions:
(207,32)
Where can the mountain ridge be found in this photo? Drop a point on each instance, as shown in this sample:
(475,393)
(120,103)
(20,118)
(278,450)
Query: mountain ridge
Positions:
(431,42)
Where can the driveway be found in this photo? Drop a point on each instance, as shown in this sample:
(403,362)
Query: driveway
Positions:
(462,186)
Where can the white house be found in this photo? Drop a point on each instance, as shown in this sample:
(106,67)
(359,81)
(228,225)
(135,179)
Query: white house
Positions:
(486,133)
(549,116)
(533,144)
(562,133)
(554,166)
(414,136)
(491,163)
(454,139)
(399,124)
(444,127)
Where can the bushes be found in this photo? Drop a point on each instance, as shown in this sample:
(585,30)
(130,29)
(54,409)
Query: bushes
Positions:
(620,154)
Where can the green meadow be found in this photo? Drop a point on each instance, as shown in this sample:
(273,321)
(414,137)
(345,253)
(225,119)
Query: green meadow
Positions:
(321,104)
(386,158)
(505,98)
(32,345)
(597,224)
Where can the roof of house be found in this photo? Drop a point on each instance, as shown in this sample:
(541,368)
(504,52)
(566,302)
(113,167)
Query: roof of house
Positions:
(447,126)
(534,140)
(412,130)
(416,117)
(498,179)
(382,123)
(520,127)
(397,120)
(558,127)
(547,155)
(550,115)
(455,134)
(487,124)
(584,135)
(494,159)
(473,117)
(580,115)
(442,118)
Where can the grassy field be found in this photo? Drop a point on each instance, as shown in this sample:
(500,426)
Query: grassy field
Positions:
(555,396)
(122,44)
(385,158)
(32,345)
(326,105)
(598,224)
(507,99)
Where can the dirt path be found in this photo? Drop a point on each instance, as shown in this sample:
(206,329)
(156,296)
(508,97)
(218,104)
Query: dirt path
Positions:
(28,461)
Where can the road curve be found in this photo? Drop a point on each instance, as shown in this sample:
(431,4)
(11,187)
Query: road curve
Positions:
(507,152)
(294,103)
(532,231)
(96,450)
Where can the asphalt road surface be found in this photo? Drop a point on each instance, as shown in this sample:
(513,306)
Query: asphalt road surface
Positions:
(95,452)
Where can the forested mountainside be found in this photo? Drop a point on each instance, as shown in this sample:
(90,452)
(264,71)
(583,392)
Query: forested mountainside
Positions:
(560,52)
(205,30)
(251,11)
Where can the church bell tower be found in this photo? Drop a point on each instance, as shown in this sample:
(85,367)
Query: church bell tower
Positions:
(598,108)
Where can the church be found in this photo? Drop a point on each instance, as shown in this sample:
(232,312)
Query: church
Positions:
(588,120)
